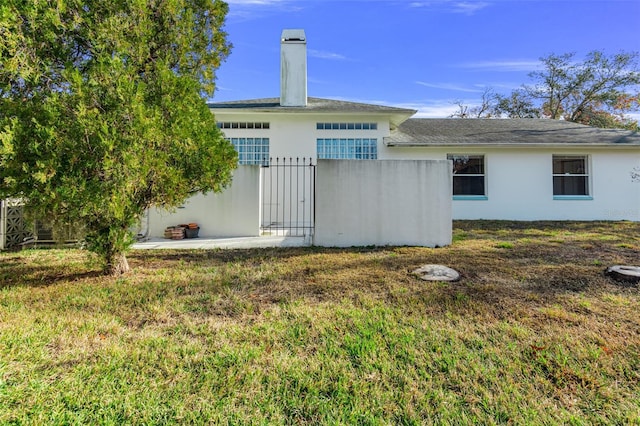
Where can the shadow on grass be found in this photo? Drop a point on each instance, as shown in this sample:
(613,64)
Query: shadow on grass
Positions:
(244,298)
(42,276)
(542,262)
(490,282)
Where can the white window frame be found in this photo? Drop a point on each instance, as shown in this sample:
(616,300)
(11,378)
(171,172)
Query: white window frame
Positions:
(347,126)
(586,174)
(250,150)
(241,125)
(451,157)
(347,148)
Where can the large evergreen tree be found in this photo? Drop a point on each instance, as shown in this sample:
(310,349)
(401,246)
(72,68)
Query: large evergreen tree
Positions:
(102,112)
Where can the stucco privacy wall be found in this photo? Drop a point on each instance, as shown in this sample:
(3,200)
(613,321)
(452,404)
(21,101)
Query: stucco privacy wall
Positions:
(520,185)
(231,213)
(383,203)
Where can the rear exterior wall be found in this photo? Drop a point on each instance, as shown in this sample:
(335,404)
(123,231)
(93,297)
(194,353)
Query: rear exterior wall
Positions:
(296,134)
(519,183)
(518,179)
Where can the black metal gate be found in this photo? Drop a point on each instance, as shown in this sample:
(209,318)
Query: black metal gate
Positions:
(288,190)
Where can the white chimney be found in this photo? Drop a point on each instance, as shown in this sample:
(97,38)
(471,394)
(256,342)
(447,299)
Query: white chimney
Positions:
(293,68)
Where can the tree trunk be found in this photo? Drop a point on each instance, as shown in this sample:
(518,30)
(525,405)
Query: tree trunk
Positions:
(117,265)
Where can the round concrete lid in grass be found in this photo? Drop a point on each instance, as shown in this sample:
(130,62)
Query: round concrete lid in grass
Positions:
(436,273)
(624,274)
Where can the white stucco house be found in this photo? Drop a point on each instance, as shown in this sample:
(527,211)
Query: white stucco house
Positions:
(511,169)
(345,173)
(514,169)
(528,169)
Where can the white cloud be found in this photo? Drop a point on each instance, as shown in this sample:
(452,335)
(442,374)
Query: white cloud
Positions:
(429,109)
(326,55)
(634,116)
(464,7)
(468,8)
(504,86)
(503,66)
(449,86)
(244,10)
(439,108)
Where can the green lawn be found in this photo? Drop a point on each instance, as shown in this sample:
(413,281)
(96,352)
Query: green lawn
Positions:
(534,333)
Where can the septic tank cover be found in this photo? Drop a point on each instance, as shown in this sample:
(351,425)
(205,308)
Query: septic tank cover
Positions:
(437,273)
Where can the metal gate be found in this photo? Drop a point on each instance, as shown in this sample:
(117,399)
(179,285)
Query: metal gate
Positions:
(288,190)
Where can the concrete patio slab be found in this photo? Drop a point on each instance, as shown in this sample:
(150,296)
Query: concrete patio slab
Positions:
(222,243)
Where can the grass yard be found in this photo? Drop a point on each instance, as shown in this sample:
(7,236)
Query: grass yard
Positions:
(534,333)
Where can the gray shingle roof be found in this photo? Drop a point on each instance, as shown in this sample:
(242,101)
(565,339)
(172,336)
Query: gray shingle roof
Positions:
(451,131)
(313,105)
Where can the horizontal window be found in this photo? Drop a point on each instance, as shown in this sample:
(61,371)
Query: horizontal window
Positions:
(570,175)
(252,150)
(241,125)
(347,126)
(347,149)
(468,175)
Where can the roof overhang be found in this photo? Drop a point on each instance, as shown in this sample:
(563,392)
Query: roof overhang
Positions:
(317,107)
(512,145)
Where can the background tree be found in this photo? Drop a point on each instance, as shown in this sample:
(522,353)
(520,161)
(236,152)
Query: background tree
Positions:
(102,112)
(516,105)
(576,91)
(486,109)
(599,91)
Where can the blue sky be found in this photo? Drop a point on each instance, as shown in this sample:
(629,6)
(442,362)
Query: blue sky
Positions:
(423,55)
